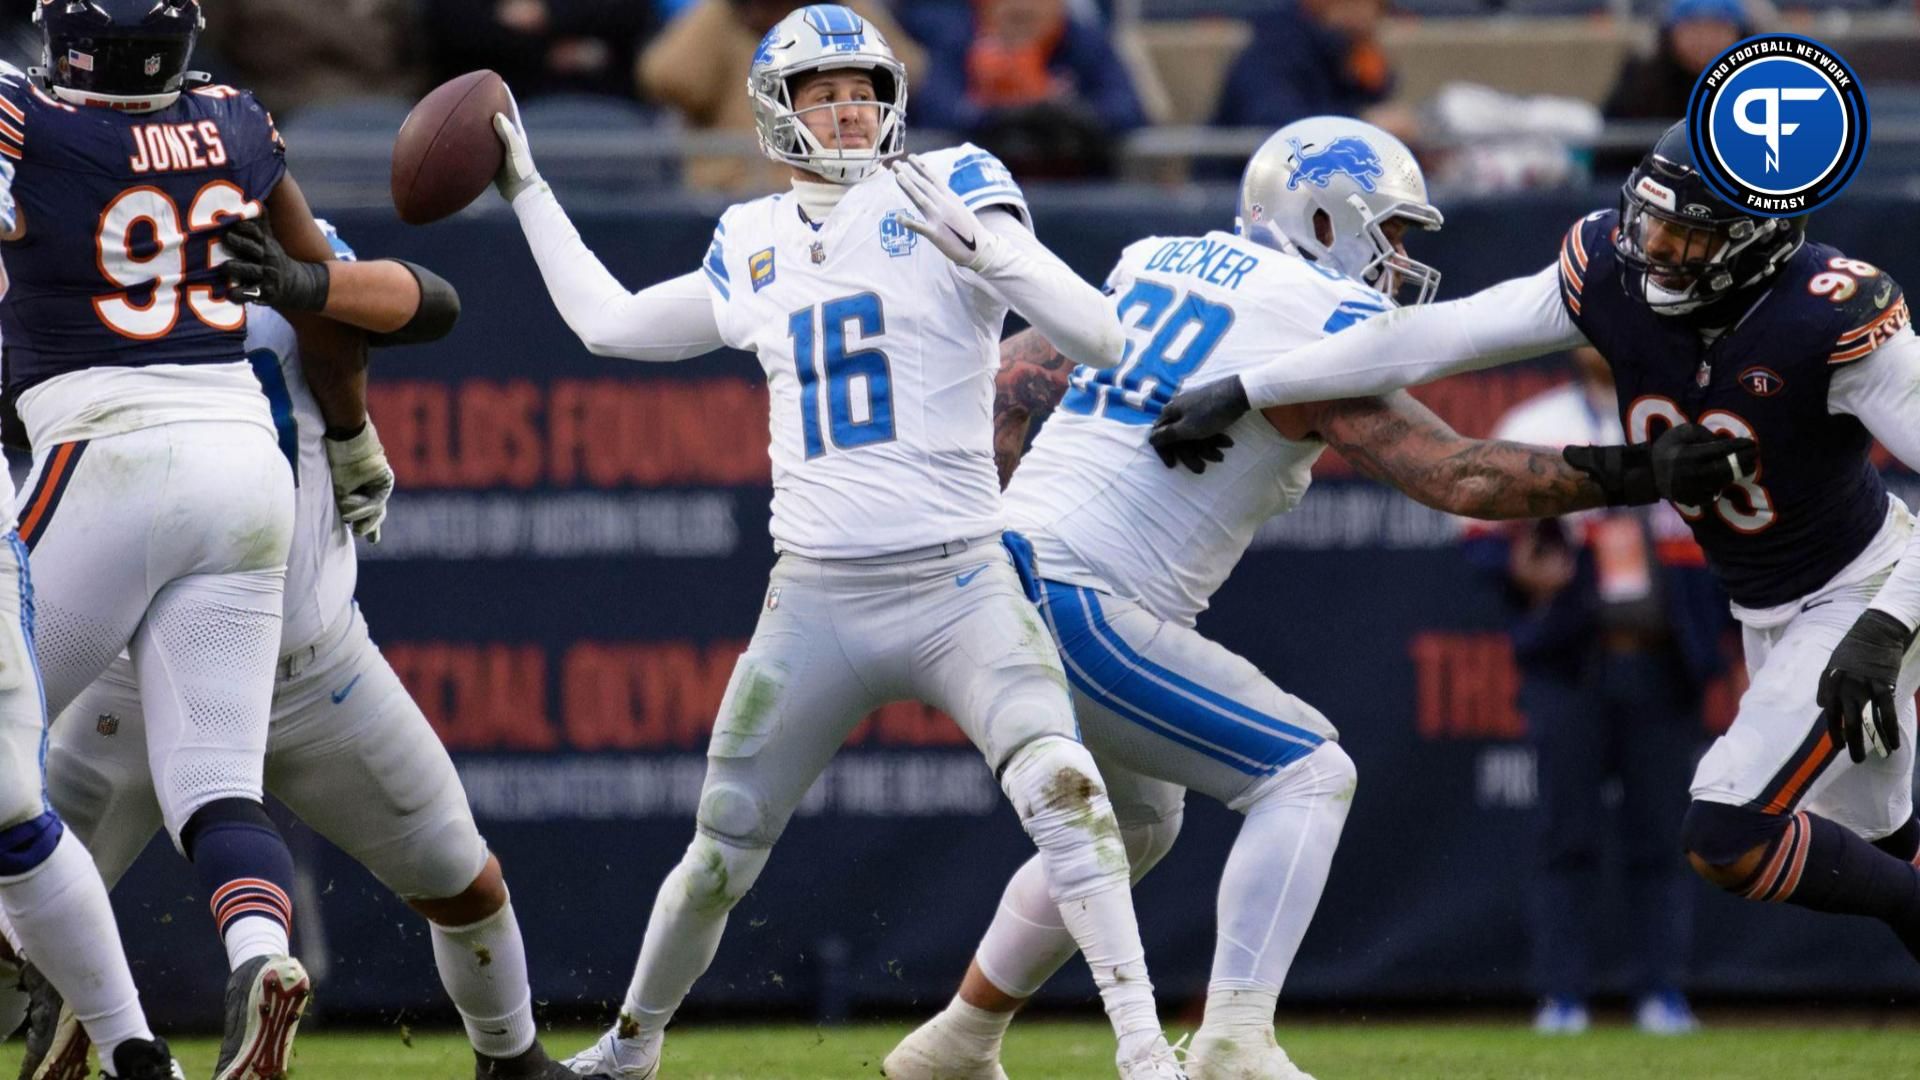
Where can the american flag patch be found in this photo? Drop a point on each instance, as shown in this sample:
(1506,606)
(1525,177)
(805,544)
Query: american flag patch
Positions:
(79,61)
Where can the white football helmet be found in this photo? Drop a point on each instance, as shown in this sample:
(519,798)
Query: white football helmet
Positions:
(1359,177)
(825,37)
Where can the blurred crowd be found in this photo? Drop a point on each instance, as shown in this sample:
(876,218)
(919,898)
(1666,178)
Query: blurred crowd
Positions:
(1052,86)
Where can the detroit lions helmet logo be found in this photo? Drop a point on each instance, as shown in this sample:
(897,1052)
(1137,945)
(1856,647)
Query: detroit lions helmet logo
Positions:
(1348,155)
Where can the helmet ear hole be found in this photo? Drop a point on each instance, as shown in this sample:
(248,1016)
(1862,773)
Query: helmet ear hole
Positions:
(1323,228)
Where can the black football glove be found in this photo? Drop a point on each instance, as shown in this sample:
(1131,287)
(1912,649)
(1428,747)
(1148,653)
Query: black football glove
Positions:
(1692,466)
(1189,430)
(1624,473)
(1861,676)
(259,271)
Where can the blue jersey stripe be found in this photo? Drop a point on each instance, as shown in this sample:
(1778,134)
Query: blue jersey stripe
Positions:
(725,293)
(273,381)
(1103,666)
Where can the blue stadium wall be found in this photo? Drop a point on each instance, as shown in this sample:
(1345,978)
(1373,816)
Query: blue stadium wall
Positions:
(580,549)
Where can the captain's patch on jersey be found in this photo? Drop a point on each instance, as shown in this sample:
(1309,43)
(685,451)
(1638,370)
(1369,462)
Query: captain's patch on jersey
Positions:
(760,268)
(895,238)
(1779,124)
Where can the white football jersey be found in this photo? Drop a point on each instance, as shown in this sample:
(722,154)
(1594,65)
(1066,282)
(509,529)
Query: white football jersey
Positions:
(879,354)
(1098,504)
(321,565)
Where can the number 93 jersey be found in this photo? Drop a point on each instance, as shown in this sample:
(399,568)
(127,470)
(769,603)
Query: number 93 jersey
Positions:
(879,354)
(123,213)
(1101,509)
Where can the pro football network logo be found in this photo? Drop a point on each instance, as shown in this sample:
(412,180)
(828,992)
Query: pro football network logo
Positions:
(1779,125)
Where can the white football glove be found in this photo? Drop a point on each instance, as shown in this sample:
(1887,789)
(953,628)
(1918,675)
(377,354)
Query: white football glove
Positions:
(362,481)
(517,173)
(944,219)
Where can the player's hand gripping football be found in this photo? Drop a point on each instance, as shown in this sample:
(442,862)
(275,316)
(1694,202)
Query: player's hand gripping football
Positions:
(1190,430)
(1856,695)
(259,271)
(362,480)
(517,173)
(944,219)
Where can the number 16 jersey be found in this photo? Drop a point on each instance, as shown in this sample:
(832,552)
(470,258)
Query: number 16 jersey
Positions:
(1101,509)
(879,354)
(114,316)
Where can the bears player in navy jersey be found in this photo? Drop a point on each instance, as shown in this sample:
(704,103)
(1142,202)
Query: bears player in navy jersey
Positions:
(160,509)
(1740,325)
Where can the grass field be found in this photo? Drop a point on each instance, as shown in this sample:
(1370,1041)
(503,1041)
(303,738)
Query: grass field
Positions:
(1069,1051)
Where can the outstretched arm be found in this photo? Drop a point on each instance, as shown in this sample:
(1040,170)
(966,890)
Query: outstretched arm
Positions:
(1032,379)
(1398,441)
(669,321)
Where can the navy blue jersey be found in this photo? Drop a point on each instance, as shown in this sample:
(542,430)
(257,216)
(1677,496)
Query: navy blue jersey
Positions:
(1816,500)
(123,212)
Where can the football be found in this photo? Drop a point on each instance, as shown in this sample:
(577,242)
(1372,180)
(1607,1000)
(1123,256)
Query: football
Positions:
(447,152)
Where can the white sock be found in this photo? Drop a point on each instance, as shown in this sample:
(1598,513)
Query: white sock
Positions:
(1278,869)
(59,910)
(683,933)
(979,1028)
(255,935)
(1240,1008)
(484,968)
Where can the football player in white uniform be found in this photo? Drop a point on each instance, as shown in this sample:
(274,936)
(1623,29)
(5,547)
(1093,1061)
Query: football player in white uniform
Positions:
(1128,553)
(874,300)
(348,750)
(1715,318)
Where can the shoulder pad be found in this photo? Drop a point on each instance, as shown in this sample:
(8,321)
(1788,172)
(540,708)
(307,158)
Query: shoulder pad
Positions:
(1578,247)
(1869,306)
(979,178)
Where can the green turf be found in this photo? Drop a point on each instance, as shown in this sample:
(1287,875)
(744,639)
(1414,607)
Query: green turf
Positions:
(1068,1051)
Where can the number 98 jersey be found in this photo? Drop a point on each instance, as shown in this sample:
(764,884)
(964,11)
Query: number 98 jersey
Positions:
(1100,508)
(879,354)
(123,214)
(1816,501)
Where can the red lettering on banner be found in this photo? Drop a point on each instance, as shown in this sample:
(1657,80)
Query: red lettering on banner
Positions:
(644,696)
(599,433)
(479,697)
(1466,685)
(648,432)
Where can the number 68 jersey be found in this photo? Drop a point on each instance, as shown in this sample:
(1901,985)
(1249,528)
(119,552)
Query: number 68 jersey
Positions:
(1101,509)
(879,354)
(112,303)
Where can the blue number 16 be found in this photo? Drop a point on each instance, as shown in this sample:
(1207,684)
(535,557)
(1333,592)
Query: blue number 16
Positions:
(841,368)
(1184,335)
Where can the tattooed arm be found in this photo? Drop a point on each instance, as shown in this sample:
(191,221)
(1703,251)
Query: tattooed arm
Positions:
(1032,379)
(1398,441)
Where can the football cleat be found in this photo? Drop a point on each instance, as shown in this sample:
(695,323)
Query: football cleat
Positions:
(1156,1061)
(1220,1054)
(144,1059)
(1665,1013)
(532,1065)
(615,1058)
(13,998)
(57,1046)
(265,1000)
(934,1051)
(1561,1015)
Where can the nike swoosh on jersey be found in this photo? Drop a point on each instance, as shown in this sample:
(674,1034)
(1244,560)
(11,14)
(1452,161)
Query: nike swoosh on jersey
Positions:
(960,580)
(340,695)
